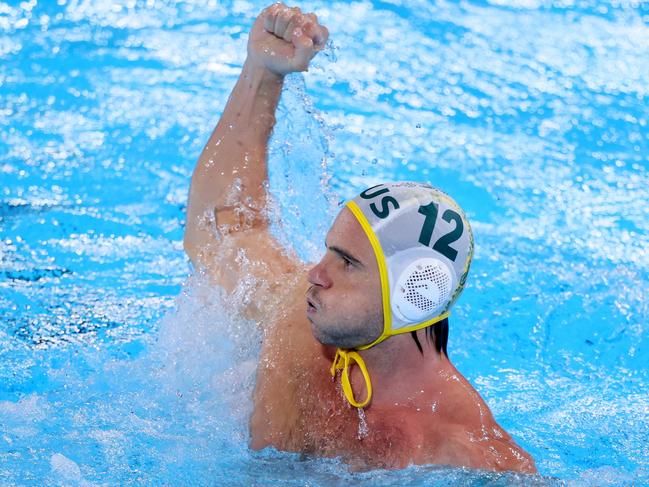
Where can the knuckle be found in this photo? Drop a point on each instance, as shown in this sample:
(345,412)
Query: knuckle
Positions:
(286,15)
(272,9)
(297,31)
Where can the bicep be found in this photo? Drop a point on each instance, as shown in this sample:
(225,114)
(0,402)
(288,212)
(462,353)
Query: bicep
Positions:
(250,265)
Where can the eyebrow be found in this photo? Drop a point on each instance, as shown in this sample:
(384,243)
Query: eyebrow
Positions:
(345,254)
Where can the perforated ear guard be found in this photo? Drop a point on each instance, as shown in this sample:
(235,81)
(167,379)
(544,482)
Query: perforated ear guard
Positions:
(423,285)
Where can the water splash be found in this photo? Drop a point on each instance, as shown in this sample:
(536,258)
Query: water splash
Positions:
(298,159)
(532,113)
(363,429)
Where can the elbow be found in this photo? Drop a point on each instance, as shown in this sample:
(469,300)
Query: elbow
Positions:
(193,240)
(190,247)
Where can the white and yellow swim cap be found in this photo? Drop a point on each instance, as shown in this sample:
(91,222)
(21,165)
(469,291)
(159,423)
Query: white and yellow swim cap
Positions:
(423,245)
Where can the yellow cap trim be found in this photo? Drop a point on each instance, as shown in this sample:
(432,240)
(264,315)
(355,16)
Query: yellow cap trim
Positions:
(423,324)
(383,272)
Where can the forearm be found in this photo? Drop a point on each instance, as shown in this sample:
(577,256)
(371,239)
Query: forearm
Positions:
(228,190)
(229,178)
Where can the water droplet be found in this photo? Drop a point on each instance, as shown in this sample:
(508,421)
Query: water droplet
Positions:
(363,430)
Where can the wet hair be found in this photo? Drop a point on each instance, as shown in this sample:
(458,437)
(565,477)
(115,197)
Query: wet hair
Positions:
(436,334)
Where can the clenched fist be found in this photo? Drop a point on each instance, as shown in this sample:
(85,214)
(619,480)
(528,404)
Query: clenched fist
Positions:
(284,40)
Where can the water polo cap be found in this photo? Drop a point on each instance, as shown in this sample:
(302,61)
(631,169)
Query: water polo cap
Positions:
(423,245)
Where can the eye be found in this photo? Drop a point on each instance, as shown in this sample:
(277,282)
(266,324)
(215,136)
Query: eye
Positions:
(348,263)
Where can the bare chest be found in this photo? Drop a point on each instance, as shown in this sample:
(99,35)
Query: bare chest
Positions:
(309,414)
(299,407)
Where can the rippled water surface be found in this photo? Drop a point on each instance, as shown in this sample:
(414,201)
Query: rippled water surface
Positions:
(533,114)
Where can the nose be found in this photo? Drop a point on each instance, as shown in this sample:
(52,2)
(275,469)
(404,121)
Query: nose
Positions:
(318,276)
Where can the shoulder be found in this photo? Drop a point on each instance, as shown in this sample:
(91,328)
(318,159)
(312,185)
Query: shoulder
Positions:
(465,433)
(465,448)
(485,446)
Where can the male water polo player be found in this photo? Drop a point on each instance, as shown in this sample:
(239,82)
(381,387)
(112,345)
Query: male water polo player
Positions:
(357,368)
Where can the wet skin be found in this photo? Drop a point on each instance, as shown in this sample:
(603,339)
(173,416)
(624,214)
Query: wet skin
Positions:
(422,411)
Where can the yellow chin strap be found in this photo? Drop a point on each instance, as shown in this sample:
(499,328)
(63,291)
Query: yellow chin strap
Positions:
(343,360)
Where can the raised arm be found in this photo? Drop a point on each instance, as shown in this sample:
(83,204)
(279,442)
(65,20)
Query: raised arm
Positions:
(228,188)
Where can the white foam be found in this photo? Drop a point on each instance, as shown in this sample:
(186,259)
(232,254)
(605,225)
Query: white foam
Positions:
(65,468)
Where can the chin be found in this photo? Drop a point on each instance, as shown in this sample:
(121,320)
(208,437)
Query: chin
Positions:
(318,335)
(321,336)
(340,336)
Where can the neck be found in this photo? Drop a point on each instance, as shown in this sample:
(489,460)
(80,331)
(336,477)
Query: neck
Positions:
(398,370)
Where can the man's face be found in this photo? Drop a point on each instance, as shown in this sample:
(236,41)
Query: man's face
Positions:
(344,302)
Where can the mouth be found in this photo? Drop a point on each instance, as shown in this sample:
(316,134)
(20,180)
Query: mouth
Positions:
(310,306)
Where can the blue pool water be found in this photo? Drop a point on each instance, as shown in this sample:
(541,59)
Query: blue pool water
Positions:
(115,368)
